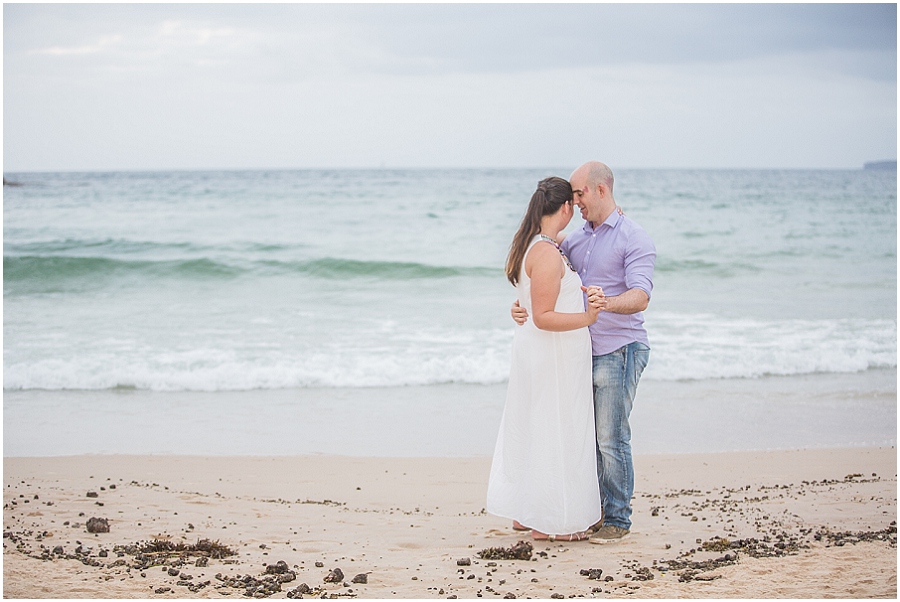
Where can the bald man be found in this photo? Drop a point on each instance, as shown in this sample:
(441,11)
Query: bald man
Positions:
(615,253)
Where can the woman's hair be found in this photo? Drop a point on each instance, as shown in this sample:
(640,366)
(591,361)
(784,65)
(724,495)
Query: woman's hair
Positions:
(551,194)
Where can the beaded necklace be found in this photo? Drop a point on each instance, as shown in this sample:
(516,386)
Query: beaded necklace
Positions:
(546,238)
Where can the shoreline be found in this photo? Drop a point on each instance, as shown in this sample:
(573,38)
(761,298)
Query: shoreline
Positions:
(452,420)
(799,523)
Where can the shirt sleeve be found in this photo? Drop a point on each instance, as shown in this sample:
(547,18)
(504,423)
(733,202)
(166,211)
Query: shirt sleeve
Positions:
(640,259)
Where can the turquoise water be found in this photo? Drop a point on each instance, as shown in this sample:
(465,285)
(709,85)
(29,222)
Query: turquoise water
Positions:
(231,281)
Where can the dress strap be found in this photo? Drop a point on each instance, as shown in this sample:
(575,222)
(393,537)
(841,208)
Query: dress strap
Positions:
(546,238)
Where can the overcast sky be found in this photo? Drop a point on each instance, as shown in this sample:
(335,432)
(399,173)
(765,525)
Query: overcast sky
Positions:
(152,86)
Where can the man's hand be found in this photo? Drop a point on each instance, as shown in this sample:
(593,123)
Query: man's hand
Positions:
(518,313)
(596,298)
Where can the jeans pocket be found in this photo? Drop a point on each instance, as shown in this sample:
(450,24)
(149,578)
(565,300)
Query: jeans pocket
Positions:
(640,356)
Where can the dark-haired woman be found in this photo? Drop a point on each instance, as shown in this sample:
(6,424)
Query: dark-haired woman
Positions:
(544,472)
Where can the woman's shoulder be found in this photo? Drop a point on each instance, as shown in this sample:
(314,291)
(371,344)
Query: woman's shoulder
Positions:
(544,254)
(542,248)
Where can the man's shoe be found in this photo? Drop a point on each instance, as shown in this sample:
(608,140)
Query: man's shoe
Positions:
(609,534)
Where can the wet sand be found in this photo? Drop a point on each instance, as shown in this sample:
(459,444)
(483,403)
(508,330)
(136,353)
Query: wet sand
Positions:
(808,523)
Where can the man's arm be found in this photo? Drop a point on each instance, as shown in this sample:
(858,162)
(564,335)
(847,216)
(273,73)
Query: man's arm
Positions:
(630,302)
(640,259)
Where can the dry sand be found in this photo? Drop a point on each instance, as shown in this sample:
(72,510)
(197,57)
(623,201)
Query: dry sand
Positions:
(810,523)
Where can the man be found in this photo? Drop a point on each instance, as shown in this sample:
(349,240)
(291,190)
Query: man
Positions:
(615,253)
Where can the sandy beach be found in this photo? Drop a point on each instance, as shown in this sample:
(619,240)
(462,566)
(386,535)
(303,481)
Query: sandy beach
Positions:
(808,523)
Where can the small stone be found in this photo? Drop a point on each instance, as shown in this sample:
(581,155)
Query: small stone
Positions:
(509,596)
(278,568)
(103,554)
(162,590)
(92,494)
(558,597)
(464,562)
(173,572)
(592,573)
(319,564)
(334,576)
(362,578)
(203,561)
(97,525)
(59,551)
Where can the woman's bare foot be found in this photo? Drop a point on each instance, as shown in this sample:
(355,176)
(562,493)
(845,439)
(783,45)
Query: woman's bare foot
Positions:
(517,526)
(580,536)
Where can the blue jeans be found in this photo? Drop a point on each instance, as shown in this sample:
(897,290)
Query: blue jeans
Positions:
(616,376)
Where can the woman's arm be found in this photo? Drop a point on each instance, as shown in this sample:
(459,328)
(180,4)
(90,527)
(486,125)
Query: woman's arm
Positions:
(545,269)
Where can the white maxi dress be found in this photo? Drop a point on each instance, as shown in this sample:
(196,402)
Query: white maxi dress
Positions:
(544,472)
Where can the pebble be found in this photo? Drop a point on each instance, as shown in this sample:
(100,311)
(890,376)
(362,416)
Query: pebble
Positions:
(278,568)
(464,562)
(92,494)
(334,576)
(361,578)
(97,525)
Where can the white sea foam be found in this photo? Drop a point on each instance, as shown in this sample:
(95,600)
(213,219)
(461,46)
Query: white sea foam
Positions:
(684,347)
(705,346)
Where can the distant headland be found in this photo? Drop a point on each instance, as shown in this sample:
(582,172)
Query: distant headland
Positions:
(881,165)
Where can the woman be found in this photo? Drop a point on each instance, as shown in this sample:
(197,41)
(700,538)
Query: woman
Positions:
(544,473)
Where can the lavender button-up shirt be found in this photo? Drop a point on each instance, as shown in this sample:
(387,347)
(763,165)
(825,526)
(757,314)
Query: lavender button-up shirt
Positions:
(617,255)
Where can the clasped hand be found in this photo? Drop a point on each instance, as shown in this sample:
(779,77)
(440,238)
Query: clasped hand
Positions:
(596,300)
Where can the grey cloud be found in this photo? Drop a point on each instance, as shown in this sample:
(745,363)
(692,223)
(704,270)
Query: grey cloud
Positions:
(513,37)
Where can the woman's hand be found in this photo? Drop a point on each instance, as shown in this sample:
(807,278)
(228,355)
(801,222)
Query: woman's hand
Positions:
(596,301)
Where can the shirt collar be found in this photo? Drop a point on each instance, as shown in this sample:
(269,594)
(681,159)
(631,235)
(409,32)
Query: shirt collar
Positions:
(612,221)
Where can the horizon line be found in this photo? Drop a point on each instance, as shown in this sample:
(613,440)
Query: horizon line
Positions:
(862,167)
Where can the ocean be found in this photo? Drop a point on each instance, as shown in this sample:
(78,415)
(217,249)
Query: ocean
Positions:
(351,284)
